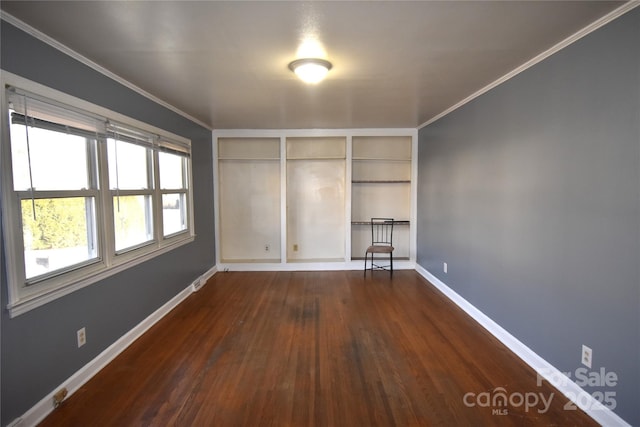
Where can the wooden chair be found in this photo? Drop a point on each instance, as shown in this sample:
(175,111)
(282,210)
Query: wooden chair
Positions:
(381,243)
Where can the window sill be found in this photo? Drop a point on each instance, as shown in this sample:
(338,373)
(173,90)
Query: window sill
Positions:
(32,301)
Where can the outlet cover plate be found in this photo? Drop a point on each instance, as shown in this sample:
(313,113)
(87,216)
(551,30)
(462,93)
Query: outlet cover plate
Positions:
(587,356)
(82,337)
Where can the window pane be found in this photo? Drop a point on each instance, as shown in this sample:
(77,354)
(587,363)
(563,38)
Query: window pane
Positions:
(174,218)
(58,160)
(62,233)
(133,221)
(171,171)
(129,168)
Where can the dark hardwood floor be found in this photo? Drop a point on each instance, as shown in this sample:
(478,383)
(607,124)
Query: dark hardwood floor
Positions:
(316,349)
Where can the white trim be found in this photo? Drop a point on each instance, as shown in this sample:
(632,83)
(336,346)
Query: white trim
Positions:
(78,57)
(348,190)
(45,406)
(566,386)
(216,196)
(197,284)
(413,226)
(307,266)
(293,133)
(284,249)
(208,274)
(539,58)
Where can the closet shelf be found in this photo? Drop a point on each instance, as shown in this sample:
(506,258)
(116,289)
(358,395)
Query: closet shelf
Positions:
(247,158)
(398,222)
(318,158)
(381,159)
(381,181)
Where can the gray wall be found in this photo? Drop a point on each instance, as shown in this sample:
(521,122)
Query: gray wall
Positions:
(38,348)
(531,194)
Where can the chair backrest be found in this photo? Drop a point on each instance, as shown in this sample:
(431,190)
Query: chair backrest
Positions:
(382,231)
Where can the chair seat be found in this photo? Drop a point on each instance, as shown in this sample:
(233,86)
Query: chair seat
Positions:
(380,249)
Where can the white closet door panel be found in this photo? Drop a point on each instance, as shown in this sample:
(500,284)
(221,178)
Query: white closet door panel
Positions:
(315,209)
(249,210)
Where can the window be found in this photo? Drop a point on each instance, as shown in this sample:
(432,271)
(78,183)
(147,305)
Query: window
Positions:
(85,195)
(131,189)
(173,185)
(54,181)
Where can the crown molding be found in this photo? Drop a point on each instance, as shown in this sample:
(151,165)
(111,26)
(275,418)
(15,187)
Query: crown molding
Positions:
(632,4)
(89,63)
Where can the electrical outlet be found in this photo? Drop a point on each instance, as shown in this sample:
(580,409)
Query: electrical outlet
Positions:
(267,247)
(82,337)
(445,267)
(587,356)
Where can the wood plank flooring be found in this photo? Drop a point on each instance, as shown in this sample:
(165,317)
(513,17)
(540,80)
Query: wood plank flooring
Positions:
(315,349)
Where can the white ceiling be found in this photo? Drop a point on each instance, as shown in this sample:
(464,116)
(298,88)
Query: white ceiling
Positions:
(396,64)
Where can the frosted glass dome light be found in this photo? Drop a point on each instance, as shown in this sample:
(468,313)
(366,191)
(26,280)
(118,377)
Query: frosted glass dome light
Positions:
(310,70)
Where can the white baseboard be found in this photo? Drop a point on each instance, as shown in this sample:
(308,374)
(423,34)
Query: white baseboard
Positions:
(308,266)
(544,369)
(43,408)
(202,279)
(209,273)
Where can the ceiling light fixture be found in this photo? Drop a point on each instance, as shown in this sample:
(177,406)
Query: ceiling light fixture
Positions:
(310,70)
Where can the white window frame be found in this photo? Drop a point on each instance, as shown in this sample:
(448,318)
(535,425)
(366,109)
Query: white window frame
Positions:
(23,297)
(183,191)
(149,191)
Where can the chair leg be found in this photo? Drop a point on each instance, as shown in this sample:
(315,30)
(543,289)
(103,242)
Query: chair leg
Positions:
(366,255)
(391,261)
